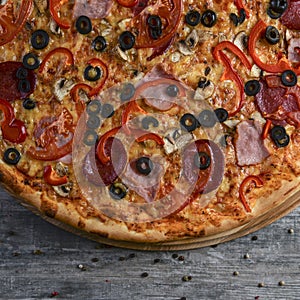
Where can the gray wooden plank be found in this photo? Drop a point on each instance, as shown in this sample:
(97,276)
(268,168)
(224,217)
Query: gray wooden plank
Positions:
(37,258)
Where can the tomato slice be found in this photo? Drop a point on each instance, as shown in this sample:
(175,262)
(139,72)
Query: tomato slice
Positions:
(170,13)
(10,24)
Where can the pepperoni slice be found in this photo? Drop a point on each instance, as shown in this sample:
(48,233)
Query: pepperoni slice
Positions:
(104,174)
(209,178)
(9,81)
(291,17)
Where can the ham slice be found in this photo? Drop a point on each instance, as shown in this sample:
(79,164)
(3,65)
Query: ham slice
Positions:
(250,149)
(294,50)
(94,9)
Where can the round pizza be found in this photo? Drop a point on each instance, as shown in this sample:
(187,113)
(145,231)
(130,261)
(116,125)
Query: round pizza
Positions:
(152,121)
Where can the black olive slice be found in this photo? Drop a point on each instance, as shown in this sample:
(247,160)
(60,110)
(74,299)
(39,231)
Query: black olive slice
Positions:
(234,18)
(39,39)
(147,121)
(30,61)
(209,18)
(155,33)
(221,114)
(21,73)
(24,86)
(144,165)
(207,118)
(83,25)
(29,104)
(189,122)
(282,142)
(172,90)
(93,122)
(192,18)
(127,92)
(107,110)
(272,35)
(126,40)
(154,22)
(99,44)
(94,107)
(118,190)
(289,78)
(273,14)
(277,132)
(90,138)
(252,87)
(92,73)
(11,156)
(242,16)
(202,160)
(278,6)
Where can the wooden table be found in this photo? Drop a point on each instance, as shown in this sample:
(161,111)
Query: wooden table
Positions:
(38,260)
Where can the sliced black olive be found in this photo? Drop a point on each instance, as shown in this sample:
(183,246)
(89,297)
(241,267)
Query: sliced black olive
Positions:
(22,73)
(202,160)
(155,34)
(207,71)
(90,138)
(172,90)
(94,107)
(99,44)
(209,18)
(30,61)
(207,118)
(273,14)
(126,40)
(234,18)
(24,86)
(193,18)
(154,22)
(242,16)
(252,87)
(221,114)
(289,78)
(107,110)
(144,165)
(29,104)
(282,142)
(127,92)
(92,73)
(278,6)
(203,83)
(278,132)
(118,190)
(11,156)
(272,35)
(147,121)
(83,25)
(189,122)
(39,39)
(93,122)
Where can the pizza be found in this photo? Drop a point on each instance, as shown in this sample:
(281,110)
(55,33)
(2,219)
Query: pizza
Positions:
(150,121)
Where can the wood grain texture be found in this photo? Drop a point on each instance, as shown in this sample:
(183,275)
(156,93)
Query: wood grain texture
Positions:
(37,258)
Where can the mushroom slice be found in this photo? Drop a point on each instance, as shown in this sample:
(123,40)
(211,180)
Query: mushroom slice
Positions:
(206,92)
(64,189)
(62,88)
(176,139)
(241,40)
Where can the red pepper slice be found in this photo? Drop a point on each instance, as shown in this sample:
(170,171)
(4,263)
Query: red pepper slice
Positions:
(13,130)
(151,136)
(55,6)
(231,74)
(51,177)
(234,49)
(280,66)
(96,62)
(266,129)
(127,3)
(11,25)
(240,5)
(80,106)
(101,145)
(60,50)
(258,183)
(131,108)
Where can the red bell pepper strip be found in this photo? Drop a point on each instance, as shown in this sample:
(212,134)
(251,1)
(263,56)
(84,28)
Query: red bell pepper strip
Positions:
(60,50)
(131,108)
(127,3)
(266,129)
(234,49)
(51,177)
(96,62)
(258,183)
(280,66)
(80,106)
(240,5)
(231,74)
(100,150)
(55,6)
(151,136)
(10,24)
(13,130)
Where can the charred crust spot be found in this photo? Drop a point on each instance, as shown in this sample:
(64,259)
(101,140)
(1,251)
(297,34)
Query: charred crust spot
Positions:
(49,208)
(100,233)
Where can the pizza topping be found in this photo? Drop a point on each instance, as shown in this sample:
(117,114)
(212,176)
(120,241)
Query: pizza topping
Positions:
(129,3)
(64,189)
(105,173)
(13,130)
(30,61)
(107,111)
(266,129)
(93,122)
(54,6)
(207,118)
(90,138)
(126,40)
(92,74)
(144,165)
(241,7)
(39,39)
(29,104)
(290,18)
(189,122)
(294,50)
(11,156)
(246,182)
(99,44)
(24,86)
(118,190)
(83,25)
(252,87)
(52,178)
(209,18)
(249,146)
(22,73)
(221,114)
(272,35)
(93,9)
(62,88)
(193,18)
(149,121)
(127,92)
(279,136)
(212,163)
(289,78)
(11,24)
